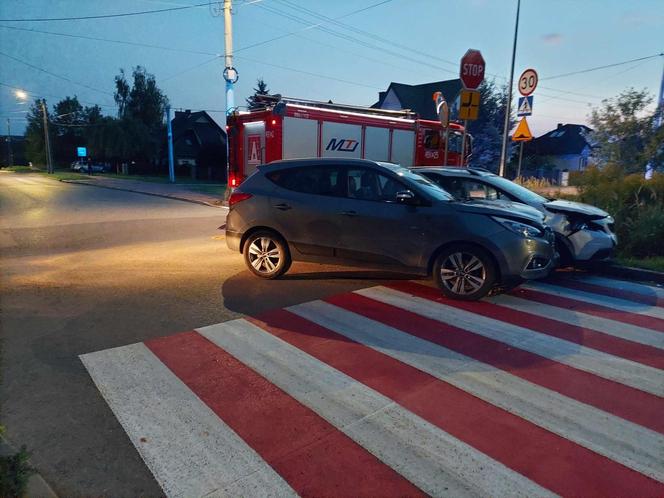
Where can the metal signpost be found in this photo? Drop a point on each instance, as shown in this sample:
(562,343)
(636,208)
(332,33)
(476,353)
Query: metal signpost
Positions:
(471,73)
(521,134)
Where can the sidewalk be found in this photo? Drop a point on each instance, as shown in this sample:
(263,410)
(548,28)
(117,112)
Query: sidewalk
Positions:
(182,192)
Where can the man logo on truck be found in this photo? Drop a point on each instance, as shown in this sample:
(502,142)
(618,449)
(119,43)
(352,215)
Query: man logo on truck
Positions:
(342,145)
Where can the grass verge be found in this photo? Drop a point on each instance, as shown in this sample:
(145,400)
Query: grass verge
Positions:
(655,263)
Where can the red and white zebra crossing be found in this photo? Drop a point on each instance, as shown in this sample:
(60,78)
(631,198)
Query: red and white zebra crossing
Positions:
(554,389)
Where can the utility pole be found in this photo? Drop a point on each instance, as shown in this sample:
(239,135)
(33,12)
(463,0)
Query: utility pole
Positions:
(230,73)
(508,107)
(47,141)
(660,102)
(9,144)
(171,168)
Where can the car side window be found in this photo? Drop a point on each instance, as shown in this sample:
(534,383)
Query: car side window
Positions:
(479,190)
(315,180)
(370,185)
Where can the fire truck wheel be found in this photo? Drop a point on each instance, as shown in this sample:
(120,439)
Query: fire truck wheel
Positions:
(266,255)
(465,272)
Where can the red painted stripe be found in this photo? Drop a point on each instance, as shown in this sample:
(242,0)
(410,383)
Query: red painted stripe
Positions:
(550,460)
(648,322)
(631,404)
(313,456)
(616,346)
(638,297)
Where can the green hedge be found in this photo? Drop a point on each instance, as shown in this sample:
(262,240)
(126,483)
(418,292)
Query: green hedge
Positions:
(636,204)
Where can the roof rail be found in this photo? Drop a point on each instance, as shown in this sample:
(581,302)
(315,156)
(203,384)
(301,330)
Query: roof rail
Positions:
(272,100)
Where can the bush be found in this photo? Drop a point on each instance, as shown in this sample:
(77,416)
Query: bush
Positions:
(636,204)
(14,474)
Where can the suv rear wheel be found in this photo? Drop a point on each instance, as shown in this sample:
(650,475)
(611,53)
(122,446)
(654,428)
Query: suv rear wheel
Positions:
(266,255)
(464,272)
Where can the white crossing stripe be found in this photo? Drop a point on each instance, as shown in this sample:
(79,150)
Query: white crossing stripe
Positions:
(625,442)
(433,460)
(588,297)
(630,373)
(190,450)
(646,290)
(632,333)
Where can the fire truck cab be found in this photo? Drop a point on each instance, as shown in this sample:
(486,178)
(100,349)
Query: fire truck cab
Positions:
(288,128)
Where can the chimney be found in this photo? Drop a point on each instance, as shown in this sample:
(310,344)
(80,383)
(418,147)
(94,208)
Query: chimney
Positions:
(560,125)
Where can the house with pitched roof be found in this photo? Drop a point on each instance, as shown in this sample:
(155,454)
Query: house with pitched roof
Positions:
(418,98)
(199,145)
(568,147)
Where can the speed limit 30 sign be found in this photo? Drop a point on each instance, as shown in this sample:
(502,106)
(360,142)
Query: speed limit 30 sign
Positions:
(527,82)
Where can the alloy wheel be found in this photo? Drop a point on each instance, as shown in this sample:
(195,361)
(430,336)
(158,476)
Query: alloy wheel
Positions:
(463,273)
(264,255)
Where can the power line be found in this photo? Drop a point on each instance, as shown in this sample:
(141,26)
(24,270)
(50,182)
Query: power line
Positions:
(54,74)
(597,68)
(107,16)
(43,95)
(109,40)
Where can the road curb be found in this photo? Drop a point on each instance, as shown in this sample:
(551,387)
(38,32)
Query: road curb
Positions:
(629,273)
(164,196)
(37,487)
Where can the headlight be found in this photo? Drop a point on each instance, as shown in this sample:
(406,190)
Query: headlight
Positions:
(522,229)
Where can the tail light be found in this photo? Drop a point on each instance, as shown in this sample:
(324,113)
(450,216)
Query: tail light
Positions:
(234,182)
(238,197)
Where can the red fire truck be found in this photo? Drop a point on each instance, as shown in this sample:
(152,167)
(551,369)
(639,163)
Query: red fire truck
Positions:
(288,128)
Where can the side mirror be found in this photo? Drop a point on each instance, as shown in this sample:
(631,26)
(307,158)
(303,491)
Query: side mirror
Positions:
(406,197)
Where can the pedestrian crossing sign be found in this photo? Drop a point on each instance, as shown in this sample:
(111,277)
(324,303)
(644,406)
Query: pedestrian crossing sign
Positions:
(525,106)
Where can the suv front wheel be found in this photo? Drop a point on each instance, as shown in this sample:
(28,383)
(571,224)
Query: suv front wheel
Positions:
(266,255)
(464,272)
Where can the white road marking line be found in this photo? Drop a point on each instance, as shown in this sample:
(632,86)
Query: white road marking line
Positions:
(189,449)
(588,297)
(611,283)
(632,333)
(431,459)
(628,372)
(620,440)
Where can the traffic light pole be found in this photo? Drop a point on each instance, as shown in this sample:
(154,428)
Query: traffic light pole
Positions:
(508,106)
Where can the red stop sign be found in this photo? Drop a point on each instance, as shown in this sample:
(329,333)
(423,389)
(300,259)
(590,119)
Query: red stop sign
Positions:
(472,69)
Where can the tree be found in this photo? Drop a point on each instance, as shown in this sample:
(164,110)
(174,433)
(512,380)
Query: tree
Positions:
(35,149)
(254,101)
(625,132)
(67,124)
(141,109)
(487,130)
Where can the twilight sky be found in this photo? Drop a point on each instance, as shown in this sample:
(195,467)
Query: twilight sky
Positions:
(346,60)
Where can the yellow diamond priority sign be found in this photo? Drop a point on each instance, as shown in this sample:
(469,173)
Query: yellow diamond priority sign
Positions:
(469,107)
(522,132)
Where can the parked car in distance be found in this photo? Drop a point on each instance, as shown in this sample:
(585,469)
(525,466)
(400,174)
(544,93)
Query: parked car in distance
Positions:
(82,167)
(583,233)
(382,215)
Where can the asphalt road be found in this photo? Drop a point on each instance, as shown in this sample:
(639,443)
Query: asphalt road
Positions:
(86,269)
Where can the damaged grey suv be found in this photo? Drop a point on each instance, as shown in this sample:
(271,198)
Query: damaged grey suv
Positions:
(375,214)
(583,233)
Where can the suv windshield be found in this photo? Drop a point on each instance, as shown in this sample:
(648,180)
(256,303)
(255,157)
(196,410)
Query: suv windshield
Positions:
(422,182)
(516,190)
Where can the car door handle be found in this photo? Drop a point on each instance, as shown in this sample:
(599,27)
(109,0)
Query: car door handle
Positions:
(349,213)
(283,206)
